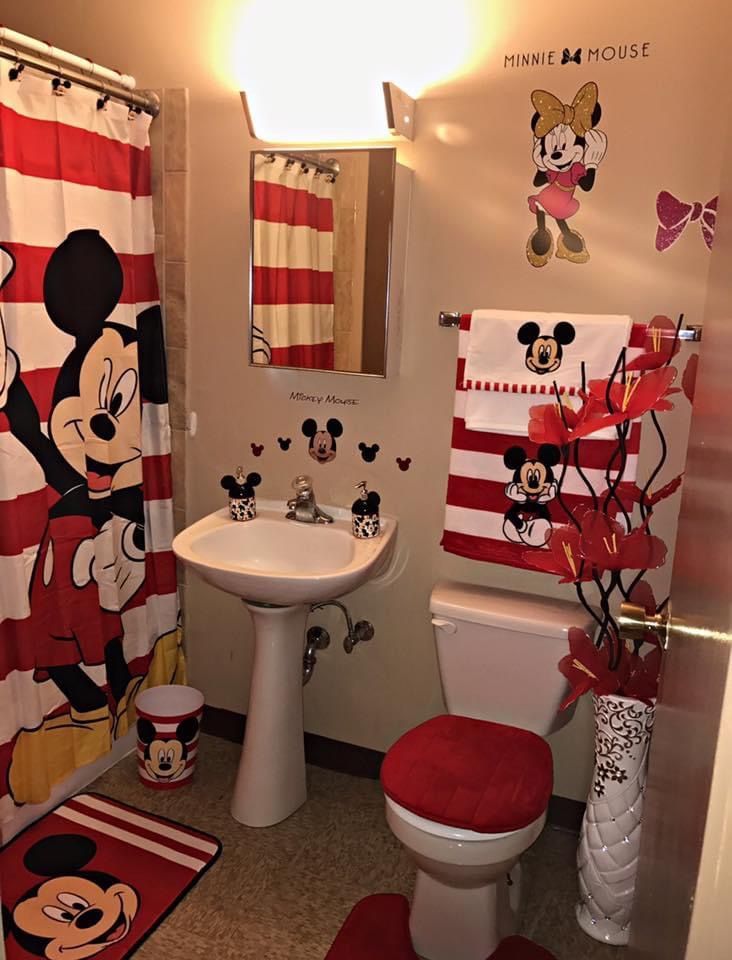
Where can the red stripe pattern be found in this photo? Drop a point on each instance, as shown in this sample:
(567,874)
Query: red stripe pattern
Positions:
(52,607)
(293,301)
(486,495)
(58,151)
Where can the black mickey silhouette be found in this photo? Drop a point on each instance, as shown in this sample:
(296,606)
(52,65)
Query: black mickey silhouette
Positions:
(284,443)
(404,464)
(368,453)
(257,449)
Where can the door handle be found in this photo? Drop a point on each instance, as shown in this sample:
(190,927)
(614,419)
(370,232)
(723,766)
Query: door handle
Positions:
(634,623)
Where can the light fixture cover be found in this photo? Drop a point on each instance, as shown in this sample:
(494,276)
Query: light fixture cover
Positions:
(400,112)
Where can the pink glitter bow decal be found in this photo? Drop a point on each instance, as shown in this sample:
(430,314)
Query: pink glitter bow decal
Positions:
(674,215)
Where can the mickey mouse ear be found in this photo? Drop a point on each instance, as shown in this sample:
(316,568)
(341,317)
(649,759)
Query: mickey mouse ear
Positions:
(59,854)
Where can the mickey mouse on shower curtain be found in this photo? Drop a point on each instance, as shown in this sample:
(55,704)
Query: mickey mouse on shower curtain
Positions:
(568,148)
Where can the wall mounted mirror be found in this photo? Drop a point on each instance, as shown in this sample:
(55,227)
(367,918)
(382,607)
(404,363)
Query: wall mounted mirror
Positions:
(321,244)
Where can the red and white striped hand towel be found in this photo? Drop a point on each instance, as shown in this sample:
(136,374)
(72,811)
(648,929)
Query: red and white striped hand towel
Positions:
(479,494)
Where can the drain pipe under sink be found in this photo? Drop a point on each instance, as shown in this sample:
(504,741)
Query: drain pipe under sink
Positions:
(318,638)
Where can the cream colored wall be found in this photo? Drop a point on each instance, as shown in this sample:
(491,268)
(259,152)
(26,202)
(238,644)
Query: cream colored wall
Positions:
(469,225)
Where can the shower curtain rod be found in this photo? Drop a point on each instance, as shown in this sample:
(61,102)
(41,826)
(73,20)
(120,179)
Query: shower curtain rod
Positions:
(42,56)
(327,166)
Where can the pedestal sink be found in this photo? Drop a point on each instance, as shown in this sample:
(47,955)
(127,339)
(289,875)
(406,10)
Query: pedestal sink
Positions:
(279,568)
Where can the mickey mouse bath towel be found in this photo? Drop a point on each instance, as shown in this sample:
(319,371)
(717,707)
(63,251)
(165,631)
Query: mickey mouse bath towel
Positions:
(504,492)
(512,355)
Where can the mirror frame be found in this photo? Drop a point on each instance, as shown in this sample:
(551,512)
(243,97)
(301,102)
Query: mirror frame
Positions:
(389,259)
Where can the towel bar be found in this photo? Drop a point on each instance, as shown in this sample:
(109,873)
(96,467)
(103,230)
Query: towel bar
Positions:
(692,332)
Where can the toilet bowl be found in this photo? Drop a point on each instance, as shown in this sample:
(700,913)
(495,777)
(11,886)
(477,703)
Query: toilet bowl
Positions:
(467,890)
(465,797)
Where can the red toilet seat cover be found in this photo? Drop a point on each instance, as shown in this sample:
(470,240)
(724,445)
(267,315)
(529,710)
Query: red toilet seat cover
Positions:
(470,774)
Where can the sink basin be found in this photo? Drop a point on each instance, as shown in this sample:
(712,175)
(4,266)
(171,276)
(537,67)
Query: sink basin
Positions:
(277,561)
(279,568)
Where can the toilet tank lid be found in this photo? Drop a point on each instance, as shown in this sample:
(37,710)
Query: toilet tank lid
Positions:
(522,612)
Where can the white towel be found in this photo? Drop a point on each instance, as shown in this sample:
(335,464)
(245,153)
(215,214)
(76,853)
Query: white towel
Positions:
(504,374)
(537,349)
(508,413)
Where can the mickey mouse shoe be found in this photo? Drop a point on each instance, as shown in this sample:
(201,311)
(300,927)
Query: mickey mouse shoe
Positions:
(540,247)
(46,755)
(572,247)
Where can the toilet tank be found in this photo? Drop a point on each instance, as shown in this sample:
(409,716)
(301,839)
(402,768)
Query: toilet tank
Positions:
(498,653)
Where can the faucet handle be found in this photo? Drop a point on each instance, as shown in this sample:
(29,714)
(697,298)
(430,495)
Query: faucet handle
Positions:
(302,484)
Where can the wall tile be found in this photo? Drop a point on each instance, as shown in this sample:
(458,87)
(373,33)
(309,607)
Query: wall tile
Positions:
(176,333)
(175,129)
(178,451)
(176,216)
(160,260)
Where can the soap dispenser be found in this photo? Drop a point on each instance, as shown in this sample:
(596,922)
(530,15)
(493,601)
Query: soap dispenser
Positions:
(365,513)
(242,502)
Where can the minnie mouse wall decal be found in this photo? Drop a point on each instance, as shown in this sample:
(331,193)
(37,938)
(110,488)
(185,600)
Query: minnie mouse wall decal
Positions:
(568,149)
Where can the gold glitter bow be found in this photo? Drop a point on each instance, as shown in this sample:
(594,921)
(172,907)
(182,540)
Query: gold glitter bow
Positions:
(552,112)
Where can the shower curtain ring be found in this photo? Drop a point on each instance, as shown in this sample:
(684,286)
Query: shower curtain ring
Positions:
(59,83)
(15,71)
(104,99)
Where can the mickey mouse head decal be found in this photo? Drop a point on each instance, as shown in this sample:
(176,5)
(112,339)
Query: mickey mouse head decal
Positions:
(544,353)
(368,453)
(322,446)
(72,913)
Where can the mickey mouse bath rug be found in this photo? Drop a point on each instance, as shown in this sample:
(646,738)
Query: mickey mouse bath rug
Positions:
(94,878)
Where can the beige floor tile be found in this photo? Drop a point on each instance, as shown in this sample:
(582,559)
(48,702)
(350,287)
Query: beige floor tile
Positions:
(282,893)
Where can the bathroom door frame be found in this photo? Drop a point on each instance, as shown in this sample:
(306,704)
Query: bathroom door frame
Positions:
(684,887)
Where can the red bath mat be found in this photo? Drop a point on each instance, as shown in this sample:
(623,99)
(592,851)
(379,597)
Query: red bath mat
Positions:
(94,878)
(378,926)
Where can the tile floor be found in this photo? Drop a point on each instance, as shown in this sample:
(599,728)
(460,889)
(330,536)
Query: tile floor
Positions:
(282,893)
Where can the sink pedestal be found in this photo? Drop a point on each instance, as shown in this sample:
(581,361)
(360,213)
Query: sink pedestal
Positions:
(270,783)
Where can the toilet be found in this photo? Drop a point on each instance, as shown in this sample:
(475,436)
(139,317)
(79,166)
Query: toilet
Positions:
(467,792)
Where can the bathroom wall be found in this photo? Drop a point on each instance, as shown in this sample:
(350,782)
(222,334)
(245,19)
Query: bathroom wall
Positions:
(663,114)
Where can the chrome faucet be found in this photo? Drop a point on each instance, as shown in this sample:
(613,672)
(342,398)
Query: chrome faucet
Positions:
(302,506)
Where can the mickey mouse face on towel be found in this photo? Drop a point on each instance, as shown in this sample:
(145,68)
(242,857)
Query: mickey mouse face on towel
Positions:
(544,352)
(368,453)
(533,477)
(322,446)
(284,443)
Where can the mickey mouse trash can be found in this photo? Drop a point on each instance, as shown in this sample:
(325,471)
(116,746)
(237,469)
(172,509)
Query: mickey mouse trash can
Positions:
(168,724)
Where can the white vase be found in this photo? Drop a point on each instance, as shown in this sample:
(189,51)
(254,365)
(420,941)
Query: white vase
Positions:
(607,857)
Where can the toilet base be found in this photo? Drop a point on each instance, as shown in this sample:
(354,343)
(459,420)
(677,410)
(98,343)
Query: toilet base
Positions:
(449,922)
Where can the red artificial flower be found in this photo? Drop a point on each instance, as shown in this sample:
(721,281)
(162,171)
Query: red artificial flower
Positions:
(630,493)
(547,423)
(628,401)
(688,381)
(643,675)
(563,558)
(661,344)
(607,545)
(587,668)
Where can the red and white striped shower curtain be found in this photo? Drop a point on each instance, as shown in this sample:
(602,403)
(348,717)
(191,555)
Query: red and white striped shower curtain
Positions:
(292,276)
(88,593)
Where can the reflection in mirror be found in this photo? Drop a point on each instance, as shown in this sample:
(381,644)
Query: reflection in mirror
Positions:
(321,242)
